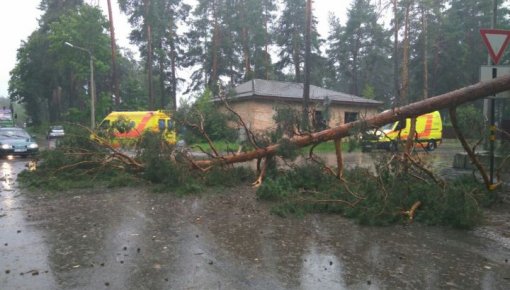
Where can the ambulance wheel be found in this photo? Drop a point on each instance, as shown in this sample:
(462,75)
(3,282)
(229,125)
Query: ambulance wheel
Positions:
(431,145)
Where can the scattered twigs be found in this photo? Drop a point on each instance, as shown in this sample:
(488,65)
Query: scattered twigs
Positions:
(70,166)
(204,151)
(201,130)
(240,121)
(383,188)
(429,173)
(477,144)
(500,168)
(346,187)
(412,211)
(262,174)
(503,162)
(465,145)
(350,204)
(313,158)
(196,166)
(128,160)
(419,177)
(503,132)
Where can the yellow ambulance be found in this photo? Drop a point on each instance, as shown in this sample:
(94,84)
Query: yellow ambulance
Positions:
(429,133)
(125,128)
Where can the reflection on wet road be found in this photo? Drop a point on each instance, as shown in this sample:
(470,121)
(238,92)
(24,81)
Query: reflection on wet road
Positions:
(23,252)
(133,239)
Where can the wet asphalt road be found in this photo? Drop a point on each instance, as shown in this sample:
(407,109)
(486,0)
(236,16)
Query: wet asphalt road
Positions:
(133,239)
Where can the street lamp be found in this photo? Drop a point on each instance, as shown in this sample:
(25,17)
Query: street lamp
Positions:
(92,85)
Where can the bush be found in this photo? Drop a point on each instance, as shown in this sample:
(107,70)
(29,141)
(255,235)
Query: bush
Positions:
(471,121)
(77,160)
(384,196)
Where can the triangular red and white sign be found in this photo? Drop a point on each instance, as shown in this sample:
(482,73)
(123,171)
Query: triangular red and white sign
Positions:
(496,41)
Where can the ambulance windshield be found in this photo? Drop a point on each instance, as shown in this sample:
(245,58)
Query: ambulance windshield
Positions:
(387,127)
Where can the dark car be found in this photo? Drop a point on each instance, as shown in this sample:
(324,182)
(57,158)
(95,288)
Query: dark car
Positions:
(55,132)
(16,141)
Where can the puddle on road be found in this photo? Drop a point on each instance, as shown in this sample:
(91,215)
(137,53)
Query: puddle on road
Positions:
(23,251)
(131,239)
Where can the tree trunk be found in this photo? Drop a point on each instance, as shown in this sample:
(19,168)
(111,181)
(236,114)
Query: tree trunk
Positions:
(215,48)
(396,83)
(354,89)
(266,40)
(448,100)
(149,54)
(173,77)
(404,92)
(404,88)
(246,47)
(425,32)
(115,80)
(306,85)
(295,57)
(162,89)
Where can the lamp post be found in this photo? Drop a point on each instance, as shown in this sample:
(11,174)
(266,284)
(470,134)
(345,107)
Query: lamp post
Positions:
(92,85)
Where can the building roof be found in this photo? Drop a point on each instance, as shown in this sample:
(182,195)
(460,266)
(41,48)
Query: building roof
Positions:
(288,91)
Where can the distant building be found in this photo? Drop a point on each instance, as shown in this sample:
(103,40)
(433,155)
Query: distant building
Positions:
(6,119)
(255,101)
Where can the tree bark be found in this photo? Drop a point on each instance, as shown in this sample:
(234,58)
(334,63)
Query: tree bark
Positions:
(404,92)
(215,48)
(471,154)
(395,52)
(339,159)
(425,31)
(448,100)
(306,85)
(173,77)
(149,53)
(115,80)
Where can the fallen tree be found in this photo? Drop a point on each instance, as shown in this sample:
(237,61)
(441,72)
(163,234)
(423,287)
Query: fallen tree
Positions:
(448,100)
(383,197)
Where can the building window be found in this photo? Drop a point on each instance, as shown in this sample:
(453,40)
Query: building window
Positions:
(319,120)
(350,117)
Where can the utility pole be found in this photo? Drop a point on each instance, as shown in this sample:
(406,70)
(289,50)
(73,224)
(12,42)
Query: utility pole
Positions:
(92,85)
(492,117)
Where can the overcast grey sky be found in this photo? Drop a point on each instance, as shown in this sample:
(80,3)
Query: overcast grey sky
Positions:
(18,19)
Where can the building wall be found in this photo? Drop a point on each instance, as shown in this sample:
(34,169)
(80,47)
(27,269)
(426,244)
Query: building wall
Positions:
(258,114)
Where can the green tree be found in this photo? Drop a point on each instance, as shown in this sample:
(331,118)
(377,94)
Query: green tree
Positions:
(359,52)
(49,74)
(460,50)
(212,53)
(290,34)
(53,9)
(252,27)
(155,30)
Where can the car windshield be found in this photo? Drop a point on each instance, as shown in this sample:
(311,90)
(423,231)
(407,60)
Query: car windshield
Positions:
(13,133)
(57,128)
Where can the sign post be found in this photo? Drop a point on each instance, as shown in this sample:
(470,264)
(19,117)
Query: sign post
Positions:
(496,41)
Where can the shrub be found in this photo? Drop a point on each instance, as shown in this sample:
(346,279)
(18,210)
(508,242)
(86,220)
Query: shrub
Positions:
(375,199)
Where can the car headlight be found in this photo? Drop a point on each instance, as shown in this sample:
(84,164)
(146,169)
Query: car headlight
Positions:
(5,146)
(33,146)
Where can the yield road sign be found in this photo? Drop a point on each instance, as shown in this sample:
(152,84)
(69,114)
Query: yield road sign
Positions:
(496,41)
